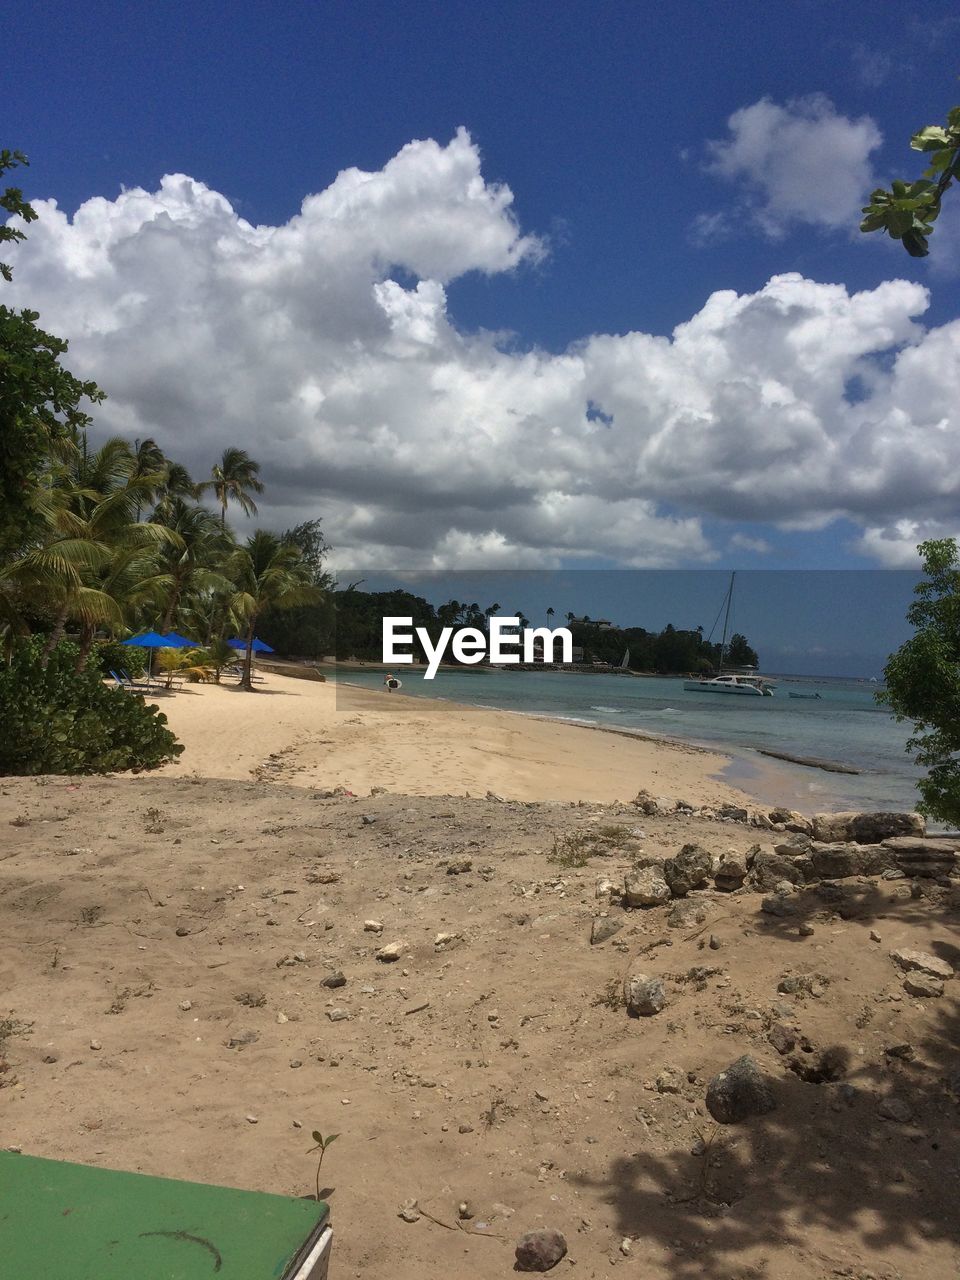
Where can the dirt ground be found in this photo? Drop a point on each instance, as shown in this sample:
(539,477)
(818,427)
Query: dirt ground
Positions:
(145,924)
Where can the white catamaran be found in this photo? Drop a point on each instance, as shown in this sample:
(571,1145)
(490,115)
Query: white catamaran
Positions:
(750,686)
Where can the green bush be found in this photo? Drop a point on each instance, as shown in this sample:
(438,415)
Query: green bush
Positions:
(111,655)
(57,721)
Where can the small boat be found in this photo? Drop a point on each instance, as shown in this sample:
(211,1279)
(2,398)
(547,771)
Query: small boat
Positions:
(743,683)
(804,695)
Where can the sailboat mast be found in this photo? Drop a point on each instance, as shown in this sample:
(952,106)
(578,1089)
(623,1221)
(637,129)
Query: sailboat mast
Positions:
(726,620)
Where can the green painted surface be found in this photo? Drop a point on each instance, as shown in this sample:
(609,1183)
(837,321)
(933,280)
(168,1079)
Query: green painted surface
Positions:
(62,1221)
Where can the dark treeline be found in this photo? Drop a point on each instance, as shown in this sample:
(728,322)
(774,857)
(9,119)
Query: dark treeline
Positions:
(348,624)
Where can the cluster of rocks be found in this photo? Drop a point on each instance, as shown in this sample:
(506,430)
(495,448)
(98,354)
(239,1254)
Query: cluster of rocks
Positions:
(838,846)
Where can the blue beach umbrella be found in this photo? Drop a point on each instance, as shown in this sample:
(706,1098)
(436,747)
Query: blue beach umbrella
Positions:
(153,640)
(259,646)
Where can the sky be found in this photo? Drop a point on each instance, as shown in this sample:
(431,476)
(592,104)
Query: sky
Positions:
(489,286)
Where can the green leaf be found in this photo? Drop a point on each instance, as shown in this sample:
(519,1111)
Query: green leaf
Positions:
(933,138)
(874,222)
(915,244)
(317,1136)
(899,221)
(331,1137)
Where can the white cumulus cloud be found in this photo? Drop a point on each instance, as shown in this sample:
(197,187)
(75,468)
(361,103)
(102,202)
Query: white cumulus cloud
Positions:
(326,348)
(803,162)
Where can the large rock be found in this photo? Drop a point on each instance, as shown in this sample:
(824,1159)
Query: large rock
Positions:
(730,874)
(792,820)
(866,828)
(603,928)
(654,805)
(770,868)
(644,995)
(689,869)
(839,861)
(915,856)
(645,887)
(540,1250)
(739,1092)
(922,962)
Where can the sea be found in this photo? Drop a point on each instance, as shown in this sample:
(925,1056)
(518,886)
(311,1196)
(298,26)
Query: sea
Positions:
(845,725)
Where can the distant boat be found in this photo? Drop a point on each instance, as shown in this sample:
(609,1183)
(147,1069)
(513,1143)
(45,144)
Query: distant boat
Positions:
(625,661)
(732,683)
(791,694)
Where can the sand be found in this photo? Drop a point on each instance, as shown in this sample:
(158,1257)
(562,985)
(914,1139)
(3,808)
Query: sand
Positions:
(324,735)
(164,941)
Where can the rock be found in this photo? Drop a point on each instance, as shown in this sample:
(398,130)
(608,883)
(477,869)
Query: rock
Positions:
(792,820)
(715,943)
(373,926)
(922,962)
(730,874)
(338,1015)
(644,995)
(685,913)
(806,930)
(603,928)
(866,828)
(183,931)
(459,866)
(185,1006)
(782,1038)
(896,1109)
(95,1045)
(391,952)
(242,1038)
(409,1211)
(739,1092)
(779,904)
(647,803)
(919,985)
(607,889)
(540,1250)
(444,939)
(795,847)
(334,980)
(732,813)
(645,887)
(923,858)
(323,877)
(368,819)
(770,868)
(689,869)
(671,1080)
(464,1211)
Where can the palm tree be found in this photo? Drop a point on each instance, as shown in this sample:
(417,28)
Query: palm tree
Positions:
(148,460)
(189,567)
(234,478)
(90,504)
(269,574)
(550,612)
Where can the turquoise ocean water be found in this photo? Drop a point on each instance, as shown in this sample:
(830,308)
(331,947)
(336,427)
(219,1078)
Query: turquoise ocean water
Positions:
(845,725)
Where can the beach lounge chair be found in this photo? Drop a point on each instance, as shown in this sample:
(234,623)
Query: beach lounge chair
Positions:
(125,682)
(81,1223)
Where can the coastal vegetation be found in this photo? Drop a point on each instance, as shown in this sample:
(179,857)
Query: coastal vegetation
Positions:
(923,680)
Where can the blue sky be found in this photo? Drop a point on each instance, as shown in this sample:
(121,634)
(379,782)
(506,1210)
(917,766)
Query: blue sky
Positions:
(453,371)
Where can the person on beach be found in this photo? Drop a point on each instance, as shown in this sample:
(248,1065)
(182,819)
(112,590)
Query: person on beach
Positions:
(390,682)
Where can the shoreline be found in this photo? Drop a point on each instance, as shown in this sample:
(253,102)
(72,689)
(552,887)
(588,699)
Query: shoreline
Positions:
(332,734)
(746,769)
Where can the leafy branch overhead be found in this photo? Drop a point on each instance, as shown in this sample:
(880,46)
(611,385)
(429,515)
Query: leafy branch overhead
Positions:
(908,210)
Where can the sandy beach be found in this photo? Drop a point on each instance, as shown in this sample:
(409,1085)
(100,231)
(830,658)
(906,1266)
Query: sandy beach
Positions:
(194,978)
(322,735)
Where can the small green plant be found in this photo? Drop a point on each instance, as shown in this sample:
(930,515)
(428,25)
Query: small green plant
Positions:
(322,1144)
(572,849)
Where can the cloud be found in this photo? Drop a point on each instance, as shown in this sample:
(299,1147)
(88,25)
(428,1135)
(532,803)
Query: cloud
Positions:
(326,348)
(741,542)
(799,163)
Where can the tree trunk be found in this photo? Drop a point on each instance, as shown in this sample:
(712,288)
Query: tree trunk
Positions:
(87,633)
(246,681)
(55,636)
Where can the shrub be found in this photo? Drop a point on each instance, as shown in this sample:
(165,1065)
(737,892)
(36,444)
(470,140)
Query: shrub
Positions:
(111,655)
(58,721)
